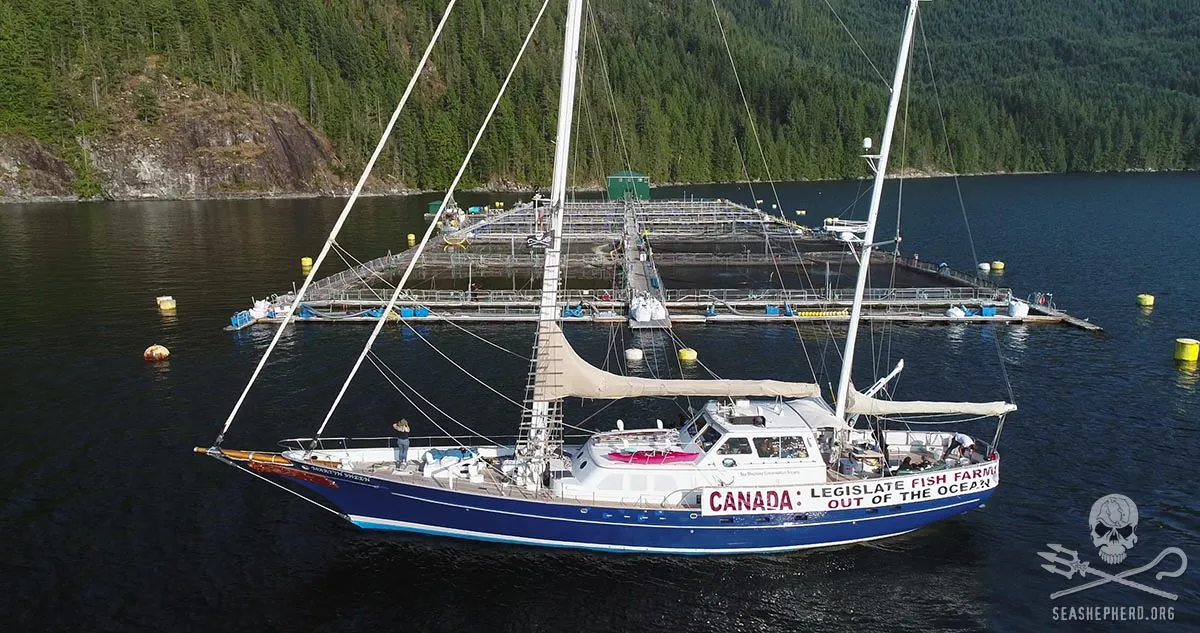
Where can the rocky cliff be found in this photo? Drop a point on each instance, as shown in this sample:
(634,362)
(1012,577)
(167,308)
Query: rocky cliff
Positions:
(167,139)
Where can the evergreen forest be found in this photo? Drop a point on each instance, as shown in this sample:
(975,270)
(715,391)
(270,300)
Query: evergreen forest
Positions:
(996,85)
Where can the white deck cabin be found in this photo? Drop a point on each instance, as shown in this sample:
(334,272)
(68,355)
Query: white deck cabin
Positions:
(744,443)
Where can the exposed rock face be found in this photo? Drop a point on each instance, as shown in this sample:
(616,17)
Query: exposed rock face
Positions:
(174,140)
(181,145)
(30,170)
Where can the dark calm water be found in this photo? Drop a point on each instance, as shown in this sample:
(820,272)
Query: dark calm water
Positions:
(108,522)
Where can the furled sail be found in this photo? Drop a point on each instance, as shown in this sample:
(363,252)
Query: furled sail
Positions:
(866,405)
(565,374)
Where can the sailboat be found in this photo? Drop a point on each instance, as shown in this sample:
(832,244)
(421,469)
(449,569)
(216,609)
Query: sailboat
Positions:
(763,466)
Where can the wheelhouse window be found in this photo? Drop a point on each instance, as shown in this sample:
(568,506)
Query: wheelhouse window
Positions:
(708,438)
(782,447)
(735,446)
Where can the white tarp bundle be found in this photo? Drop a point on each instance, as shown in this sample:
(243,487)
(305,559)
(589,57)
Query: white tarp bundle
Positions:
(866,405)
(564,373)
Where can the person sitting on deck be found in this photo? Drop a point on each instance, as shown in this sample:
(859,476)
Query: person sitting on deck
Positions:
(962,442)
(402,443)
(908,464)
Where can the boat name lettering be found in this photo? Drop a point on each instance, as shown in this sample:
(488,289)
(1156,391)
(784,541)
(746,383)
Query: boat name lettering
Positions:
(897,490)
(337,473)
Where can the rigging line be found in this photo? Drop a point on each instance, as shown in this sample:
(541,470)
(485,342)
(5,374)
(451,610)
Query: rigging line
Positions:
(860,48)
(432,224)
(958,188)
(698,361)
(385,370)
(616,117)
(362,180)
(862,191)
(884,329)
(745,172)
(746,103)
(608,85)
(460,367)
(775,263)
(587,111)
(575,142)
(900,198)
(946,137)
(283,487)
(585,420)
(442,318)
(353,268)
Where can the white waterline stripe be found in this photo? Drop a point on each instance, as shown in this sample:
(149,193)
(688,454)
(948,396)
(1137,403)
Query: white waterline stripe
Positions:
(483,536)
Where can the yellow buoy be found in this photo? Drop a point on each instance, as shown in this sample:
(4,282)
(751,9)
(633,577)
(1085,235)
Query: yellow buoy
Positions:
(412,239)
(1146,301)
(166,303)
(305,264)
(997,266)
(687,353)
(156,352)
(1187,350)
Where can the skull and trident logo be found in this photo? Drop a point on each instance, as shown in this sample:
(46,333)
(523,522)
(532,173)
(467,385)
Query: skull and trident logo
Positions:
(1113,525)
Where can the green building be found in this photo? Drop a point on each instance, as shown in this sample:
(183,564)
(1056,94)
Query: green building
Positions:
(628,185)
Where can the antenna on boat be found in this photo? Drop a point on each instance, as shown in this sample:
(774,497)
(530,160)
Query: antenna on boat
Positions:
(879,164)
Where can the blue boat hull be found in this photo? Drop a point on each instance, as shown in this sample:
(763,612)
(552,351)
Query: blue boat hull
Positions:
(387,505)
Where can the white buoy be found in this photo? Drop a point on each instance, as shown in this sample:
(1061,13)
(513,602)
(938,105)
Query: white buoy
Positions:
(620,424)
(633,354)
(984,267)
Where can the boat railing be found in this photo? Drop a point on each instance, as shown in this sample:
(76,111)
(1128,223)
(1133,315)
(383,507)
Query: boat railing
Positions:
(386,441)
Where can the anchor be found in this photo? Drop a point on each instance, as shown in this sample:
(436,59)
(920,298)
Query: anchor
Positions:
(1073,565)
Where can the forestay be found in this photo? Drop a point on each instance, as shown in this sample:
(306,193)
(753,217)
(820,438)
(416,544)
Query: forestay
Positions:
(566,374)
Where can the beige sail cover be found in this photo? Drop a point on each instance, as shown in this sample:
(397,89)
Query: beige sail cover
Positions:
(564,373)
(866,405)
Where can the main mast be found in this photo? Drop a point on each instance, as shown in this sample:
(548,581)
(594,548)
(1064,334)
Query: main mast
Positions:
(880,166)
(541,423)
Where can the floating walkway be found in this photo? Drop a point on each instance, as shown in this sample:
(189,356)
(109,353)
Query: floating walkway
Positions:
(626,248)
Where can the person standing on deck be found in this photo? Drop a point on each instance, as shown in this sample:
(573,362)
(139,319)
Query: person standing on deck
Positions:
(402,442)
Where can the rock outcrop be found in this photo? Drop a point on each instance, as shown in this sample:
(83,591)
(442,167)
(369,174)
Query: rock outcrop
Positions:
(32,171)
(173,140)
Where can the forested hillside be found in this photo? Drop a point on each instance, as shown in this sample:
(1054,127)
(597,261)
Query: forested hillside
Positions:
(1025,85)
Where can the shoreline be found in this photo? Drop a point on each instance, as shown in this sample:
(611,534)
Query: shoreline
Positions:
(589,187)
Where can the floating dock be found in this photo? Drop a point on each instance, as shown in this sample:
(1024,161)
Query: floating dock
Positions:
(652,264)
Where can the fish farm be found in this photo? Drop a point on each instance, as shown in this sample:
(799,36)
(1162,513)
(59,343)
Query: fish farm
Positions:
(652,264)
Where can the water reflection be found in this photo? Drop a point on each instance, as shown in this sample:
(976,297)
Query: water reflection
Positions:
(1017,337)
(1187,376)
(954,335)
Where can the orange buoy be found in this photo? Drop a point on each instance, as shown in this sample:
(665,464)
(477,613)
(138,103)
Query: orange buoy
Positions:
(156,352)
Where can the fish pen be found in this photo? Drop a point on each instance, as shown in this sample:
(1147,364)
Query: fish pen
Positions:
(651,264)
